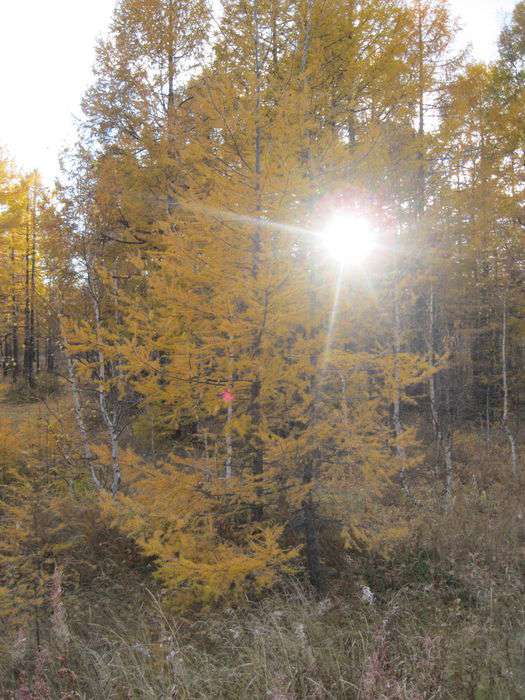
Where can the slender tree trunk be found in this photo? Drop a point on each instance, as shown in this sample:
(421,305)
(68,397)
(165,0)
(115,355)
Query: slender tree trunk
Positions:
(229,418)
(312,461)
(89,458)
(420,211)
(37,348)
(254,409)
(437,427)
(274,37)
(398,426)
(421,179)
(504,373)
(229,446)
(431,360)
(447,440)
(50,355)
(28,315)
(16,354)
(310,517)
(14,321)
(307,35)
(109,415)
(309,506)
(32,317)
(171,107)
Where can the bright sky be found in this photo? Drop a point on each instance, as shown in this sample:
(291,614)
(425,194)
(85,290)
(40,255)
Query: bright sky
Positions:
(46,54)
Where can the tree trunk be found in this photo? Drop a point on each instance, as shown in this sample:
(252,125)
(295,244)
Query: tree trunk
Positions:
(229,447)
(50,355)
(311,466)
(505,418)
(254,408)
(432,379)
(89,458)
(308,506)
(171,109)
(28,314)
(447,438)
(14,322)
(109,415)
(421,179)
(32,316)
(398,426)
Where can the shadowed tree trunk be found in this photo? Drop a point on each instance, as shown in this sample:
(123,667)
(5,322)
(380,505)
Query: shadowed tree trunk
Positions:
(504,373)
(254,408)
(15,350)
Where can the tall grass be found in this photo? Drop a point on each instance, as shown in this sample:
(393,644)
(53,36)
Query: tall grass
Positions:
(412,644)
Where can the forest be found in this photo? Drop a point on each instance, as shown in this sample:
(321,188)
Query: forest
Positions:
(262,352)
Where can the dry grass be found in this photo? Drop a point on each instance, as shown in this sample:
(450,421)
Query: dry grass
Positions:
(412,644)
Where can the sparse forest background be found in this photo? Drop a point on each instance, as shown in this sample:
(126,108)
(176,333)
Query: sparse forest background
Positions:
(229,466)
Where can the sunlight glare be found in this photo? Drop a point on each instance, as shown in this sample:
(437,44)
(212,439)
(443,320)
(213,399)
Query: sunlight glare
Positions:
(348,239)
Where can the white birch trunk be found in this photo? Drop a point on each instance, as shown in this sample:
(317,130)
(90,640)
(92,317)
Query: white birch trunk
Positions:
(109,417)
(81,424)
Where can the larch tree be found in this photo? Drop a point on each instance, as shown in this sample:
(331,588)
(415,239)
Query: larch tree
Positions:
(219,342)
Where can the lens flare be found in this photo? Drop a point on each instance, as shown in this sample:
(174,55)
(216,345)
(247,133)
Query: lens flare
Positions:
(348,239)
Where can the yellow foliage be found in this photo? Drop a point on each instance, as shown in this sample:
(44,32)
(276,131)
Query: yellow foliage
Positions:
(186,521)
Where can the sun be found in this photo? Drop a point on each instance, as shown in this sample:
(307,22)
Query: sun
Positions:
(348,239)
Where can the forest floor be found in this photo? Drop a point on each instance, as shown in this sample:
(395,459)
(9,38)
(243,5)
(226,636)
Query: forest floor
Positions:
(447,618)
(415,643)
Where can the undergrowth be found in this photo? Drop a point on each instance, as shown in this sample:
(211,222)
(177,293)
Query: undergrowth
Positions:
(290,646)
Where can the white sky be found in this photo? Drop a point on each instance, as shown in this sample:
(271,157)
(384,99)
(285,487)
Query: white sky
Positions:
(46,53)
